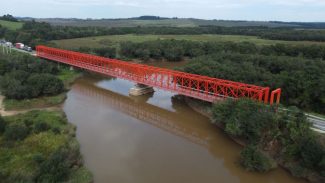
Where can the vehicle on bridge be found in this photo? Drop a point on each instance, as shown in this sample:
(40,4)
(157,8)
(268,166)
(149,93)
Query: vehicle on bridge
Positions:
(19,45)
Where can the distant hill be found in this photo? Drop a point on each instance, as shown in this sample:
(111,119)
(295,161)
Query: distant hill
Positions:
(173,22)
(149,17)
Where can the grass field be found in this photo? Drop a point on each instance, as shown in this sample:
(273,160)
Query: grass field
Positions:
(41,102)
(11,25)
(114,40)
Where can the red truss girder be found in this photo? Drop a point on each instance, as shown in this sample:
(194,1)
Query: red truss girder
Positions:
(196,86)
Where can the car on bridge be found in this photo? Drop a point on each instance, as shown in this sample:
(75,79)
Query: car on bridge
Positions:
(27,48)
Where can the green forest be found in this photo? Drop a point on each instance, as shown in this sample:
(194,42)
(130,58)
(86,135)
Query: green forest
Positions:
(302,80)
(23,76)
(176,50)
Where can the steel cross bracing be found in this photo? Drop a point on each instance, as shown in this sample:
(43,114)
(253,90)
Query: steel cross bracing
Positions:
(192,85)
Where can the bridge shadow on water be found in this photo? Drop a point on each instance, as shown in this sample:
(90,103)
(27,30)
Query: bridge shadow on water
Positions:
(178,121)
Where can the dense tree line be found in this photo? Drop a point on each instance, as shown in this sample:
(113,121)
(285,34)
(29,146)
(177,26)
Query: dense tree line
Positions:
(302,80)
(289,34)
(284,135)
(171,50)
(23,76)
(8,18)
(175,50)
(33,33)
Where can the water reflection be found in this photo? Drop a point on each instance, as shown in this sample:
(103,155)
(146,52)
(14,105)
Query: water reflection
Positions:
(153,138)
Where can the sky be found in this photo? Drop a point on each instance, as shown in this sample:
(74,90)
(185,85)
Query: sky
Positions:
(260,10)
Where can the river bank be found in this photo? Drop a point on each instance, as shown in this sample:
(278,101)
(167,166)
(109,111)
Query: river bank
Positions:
(12,106)
(293,167)
(47,136)
(40,146)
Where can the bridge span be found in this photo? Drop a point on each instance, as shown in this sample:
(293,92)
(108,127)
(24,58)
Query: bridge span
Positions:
(192,85)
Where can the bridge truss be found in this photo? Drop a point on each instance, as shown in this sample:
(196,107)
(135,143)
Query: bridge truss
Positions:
(192,85)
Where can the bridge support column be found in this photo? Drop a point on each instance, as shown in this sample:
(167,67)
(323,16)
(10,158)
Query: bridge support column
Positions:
(140,89)
(71,68)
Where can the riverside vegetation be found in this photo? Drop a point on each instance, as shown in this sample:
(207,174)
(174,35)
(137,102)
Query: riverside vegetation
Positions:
(273,137)
(29,82)
(40,145)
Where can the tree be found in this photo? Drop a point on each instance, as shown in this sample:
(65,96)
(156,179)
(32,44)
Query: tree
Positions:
(109,52)
(55,168)
(253,160)
(8,18)
(45,84)
(41,127)
(312,154)
(2,125)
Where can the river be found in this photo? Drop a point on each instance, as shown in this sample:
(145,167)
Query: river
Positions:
(155,138)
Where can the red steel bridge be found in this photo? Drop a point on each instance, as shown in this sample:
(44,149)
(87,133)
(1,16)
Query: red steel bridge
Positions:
(192,85)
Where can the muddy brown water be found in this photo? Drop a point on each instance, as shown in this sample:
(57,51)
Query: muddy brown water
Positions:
(155,138)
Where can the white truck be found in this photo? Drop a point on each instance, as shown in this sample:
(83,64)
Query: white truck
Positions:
(19,45)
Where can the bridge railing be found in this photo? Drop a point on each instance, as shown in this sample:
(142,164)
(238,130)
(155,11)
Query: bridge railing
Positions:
(193,85)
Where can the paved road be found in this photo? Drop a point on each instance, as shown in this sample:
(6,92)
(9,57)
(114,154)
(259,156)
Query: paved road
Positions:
(15,49)
(318,122)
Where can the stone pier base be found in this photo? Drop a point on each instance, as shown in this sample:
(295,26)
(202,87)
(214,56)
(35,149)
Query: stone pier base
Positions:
(140,89)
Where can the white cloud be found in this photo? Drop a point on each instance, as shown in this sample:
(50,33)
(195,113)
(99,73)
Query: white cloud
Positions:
(219,3)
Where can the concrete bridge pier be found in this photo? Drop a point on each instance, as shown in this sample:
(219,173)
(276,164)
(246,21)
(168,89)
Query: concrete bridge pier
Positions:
(140,89)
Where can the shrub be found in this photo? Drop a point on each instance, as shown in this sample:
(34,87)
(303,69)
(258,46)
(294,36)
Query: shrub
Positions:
(244,118)
(16,131)
(55,168)
(56,130)
(38,158)
(45,84)
(41,127)
(312,154)
(106,52)
(253,160)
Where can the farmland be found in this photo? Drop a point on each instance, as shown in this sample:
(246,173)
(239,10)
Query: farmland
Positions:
(11,25)
(114,40)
